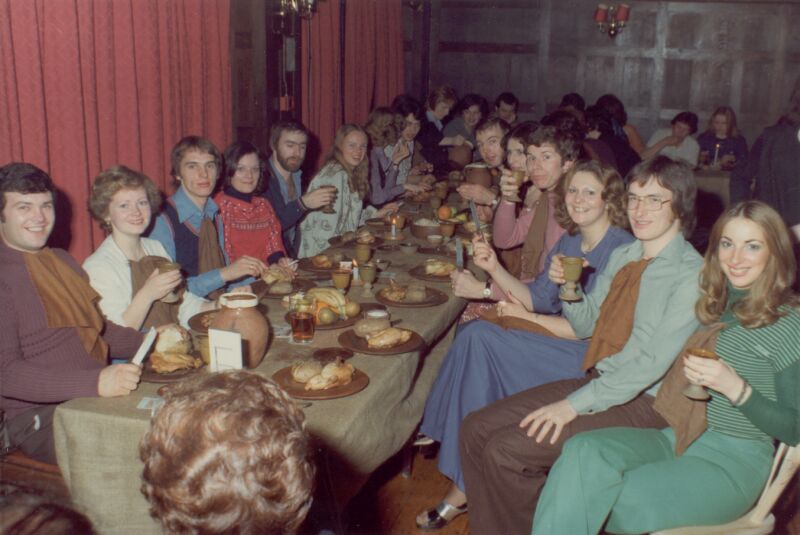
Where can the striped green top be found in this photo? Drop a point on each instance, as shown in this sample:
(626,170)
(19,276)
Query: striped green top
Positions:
(769,359)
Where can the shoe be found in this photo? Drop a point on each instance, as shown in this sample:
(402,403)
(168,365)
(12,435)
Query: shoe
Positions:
(440,516)
(422,440)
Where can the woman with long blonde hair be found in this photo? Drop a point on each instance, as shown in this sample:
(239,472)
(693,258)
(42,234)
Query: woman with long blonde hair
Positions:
(346,170)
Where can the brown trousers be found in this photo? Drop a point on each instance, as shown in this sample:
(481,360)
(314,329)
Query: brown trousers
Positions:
(505,470)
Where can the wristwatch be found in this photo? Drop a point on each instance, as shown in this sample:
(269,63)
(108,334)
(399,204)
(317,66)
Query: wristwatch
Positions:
(487,290)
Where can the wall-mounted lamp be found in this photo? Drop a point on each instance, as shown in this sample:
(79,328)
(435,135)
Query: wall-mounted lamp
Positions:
(610,19)
(416,5)
(304,8)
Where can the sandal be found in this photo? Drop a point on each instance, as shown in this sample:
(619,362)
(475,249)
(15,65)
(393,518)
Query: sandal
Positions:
(440,516)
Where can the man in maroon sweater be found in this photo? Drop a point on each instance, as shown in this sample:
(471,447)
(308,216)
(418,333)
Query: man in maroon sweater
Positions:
(54,342)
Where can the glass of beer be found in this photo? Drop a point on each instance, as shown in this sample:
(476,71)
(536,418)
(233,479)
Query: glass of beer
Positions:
(693,391)
(301,318)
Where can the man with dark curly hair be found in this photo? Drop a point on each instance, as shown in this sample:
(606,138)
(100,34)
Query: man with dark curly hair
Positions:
(227,453)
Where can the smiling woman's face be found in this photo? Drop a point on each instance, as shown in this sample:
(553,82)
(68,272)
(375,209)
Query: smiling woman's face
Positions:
(743,252)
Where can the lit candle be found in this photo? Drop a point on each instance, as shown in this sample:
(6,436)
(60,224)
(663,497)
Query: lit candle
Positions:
(601,13)
(716,154)
(623,12)
(394,227)
(355,271)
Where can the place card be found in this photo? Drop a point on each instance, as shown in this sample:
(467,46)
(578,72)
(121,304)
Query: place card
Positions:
(226,350)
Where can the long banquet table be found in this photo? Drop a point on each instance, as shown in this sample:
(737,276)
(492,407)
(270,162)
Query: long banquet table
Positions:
(97,439)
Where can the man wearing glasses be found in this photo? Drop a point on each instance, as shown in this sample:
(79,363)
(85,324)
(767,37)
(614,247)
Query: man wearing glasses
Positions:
(507,448)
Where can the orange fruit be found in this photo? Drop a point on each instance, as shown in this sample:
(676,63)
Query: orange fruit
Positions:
(444,212)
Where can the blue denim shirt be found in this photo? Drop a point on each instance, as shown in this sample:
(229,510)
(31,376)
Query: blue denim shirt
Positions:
(204,283)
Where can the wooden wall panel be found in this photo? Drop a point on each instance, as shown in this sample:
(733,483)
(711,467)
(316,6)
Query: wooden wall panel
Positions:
(673,56)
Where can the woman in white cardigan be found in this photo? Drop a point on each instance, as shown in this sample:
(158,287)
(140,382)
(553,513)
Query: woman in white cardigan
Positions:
(123,202)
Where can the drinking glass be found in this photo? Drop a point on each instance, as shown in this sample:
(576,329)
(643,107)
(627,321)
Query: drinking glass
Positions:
(328,208)
(573,266)
(302,326)
(517,177)
(693,391)
(363,253)
(166,267)
(341,279)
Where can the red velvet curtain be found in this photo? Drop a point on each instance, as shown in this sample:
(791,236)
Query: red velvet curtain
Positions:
(373,63)
(88,84)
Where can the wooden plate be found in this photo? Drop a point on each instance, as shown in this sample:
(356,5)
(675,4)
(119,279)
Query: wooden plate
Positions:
(419,273)
(441,251)
(306,265)
(298,285)
(434,297)
(329,354)
(151,376)
(376,222)
(349,340)
(284,378)
(199,323)
(336,241)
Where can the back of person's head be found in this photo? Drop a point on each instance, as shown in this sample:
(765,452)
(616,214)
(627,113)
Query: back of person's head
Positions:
(507,98)
(487,123)
(615,107)
(678,178)
(406,105)
(566,144)
(567,121)
(18,177)
(227,453)
(573,100)
(27,511)
(688,118)
(598,118)
(383,126)
(280,127)
(193,143)
(235,152)
(613,194)
(442,93)
(113,180)
(770,291)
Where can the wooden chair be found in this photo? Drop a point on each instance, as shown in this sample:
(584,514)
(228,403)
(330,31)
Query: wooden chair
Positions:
(759,520)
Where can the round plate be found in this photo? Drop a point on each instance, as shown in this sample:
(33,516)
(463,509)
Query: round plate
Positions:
(349,340)
(441,251)
(336,241)
(200,322)
(434,297)
(306,265)
(419,273)
(340,323)
(376,222)
(284,378)
(389,247)
(151,376)
(329,354)
(298,285)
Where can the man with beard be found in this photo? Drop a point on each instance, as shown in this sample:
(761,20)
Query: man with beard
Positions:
(489,135)
(288,141)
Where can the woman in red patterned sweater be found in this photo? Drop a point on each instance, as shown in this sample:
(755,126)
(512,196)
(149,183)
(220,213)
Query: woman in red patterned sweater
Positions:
(250,225)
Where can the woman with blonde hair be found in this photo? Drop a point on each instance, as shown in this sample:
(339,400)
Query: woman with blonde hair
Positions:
(389,151)
(346,170)
(124,270)
(710,465)
(721,145)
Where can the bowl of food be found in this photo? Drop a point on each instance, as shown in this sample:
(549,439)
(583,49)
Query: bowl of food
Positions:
(434,239)
(409,248)
(423,227)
